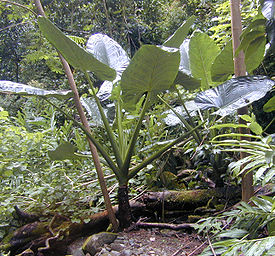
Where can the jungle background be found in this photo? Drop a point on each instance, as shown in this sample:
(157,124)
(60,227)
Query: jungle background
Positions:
(30,128)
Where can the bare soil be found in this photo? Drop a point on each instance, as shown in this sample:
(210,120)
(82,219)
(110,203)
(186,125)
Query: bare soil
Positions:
(161,242)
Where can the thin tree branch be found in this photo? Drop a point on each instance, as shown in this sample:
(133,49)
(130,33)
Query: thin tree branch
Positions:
(13,25)
(19,5)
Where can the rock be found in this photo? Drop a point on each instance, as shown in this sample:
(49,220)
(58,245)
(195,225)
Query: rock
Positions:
(93,243)
(117,246)
(126,253)
(75,248)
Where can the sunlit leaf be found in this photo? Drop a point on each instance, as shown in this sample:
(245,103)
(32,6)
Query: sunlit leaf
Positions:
(223,65)
(152,69)
(109,52)
(234,94)
(202,53)
(9,87)
(268,10)
(184,77)
(254,53)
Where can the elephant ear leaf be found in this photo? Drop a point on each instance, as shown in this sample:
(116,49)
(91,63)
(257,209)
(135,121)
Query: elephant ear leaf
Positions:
(109,52)
(9,87)
(77,56)
(184,77)
(202,52)
(153,69)
(64,151)
(234,94)
(223,66)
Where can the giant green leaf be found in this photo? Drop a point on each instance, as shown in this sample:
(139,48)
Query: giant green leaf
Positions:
(77,56)
(184,77)
(187,81)
(202,52)
(152,69)
(254,53)
(223,65)
(248,38)
(178,37)
(234,94)
(9,87)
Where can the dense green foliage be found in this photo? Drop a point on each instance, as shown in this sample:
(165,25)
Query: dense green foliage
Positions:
(30,128)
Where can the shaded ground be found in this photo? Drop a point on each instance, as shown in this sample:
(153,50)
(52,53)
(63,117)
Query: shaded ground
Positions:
(155,242)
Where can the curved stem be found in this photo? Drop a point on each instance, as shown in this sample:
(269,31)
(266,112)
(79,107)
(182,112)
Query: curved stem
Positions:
(85,123)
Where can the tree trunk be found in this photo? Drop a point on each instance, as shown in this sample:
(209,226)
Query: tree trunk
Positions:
(240,70)
(124,210)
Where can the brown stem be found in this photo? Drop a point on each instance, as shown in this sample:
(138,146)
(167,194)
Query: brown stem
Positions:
(84,121)
(240,70)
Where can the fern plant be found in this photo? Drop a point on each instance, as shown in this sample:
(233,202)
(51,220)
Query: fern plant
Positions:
(260,152)
(252,229)
(249,229)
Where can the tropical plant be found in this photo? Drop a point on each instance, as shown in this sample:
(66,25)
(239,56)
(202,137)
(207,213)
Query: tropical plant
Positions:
(107,59)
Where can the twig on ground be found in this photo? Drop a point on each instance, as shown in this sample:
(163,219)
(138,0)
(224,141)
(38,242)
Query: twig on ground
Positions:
(210,245)
(180,250)
(164,225)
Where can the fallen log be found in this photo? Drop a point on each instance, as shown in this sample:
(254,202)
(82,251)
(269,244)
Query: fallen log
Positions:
(53,237)
(189,200)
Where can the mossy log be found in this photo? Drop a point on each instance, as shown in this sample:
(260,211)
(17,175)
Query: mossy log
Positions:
(53,237)
(190,200)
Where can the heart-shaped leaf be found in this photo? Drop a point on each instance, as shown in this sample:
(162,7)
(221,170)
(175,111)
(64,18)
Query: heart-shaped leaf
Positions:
(223,65)
(202,52)
(9,87)
(184,77)
(268,11)
(153,69)
(234,94)
(77,56)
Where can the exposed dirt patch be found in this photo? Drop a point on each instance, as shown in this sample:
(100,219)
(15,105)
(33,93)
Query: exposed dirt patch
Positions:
(156,242)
